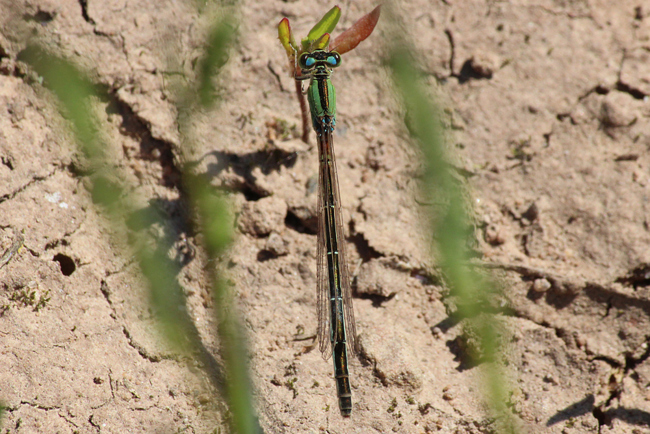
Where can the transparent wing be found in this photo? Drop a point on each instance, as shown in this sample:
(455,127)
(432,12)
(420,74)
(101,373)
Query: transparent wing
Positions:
(350,325)
(328,181)
(324,313)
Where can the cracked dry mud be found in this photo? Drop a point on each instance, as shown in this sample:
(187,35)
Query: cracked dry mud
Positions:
(547,103)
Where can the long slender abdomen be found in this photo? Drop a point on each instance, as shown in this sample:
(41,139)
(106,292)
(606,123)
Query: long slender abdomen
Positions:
(333,241)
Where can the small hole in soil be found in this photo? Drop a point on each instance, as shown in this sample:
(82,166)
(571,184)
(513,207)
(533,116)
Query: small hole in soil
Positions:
(603,417)
(66,263)
(303,226)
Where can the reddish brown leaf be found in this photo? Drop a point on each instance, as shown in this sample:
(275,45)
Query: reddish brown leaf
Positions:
(359,31)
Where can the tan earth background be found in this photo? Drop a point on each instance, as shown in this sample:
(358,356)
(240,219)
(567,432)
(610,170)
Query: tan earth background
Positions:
(547,104)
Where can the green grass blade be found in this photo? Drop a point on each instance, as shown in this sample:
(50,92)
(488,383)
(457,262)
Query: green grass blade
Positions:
(214,58)
(451,227)
(75,93)
(216,225)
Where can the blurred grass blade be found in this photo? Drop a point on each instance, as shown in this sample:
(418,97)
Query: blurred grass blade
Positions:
(216,222)
(359,31)
(216,225)
(325,25)
(452,229)
(215,57)
(74,92)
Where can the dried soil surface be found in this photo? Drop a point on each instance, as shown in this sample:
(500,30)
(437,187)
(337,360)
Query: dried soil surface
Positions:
(548,106)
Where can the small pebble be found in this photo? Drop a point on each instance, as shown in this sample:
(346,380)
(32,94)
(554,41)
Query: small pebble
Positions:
(484,64)
(541,285)
(277,245)
(617,110)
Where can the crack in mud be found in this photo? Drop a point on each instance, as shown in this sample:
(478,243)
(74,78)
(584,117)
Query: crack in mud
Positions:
(84,12)
(68,420)
(626,88)
(598,89)
(63,240)
(141,350)
(131,341)
(621,86)
(107,295)
(164,152)
(39,406)
(611,362)
(610,298)
(452,52)
(93,423)
(156,150)
(632,362)
(570,15)
(121,269)
(151,148)
(570,288)
(34,180)
(303,223)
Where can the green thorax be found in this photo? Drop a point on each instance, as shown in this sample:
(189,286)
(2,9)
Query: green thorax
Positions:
(321,94)
(322,102)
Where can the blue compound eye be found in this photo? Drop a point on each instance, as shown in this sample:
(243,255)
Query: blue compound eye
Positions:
(333,60)
(306,61)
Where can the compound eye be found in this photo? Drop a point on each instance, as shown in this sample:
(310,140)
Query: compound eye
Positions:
(333,59)
(306,61)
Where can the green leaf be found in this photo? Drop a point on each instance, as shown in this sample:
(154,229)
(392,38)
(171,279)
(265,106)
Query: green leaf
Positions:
(286,38)
(325,25)
(321,42)
(359,31)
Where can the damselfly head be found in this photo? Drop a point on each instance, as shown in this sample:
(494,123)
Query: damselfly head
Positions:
(309,61)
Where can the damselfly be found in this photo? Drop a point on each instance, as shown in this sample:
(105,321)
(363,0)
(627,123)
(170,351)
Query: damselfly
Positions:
(336,328)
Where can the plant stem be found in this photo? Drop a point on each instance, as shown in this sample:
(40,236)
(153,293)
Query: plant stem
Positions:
(304,111)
